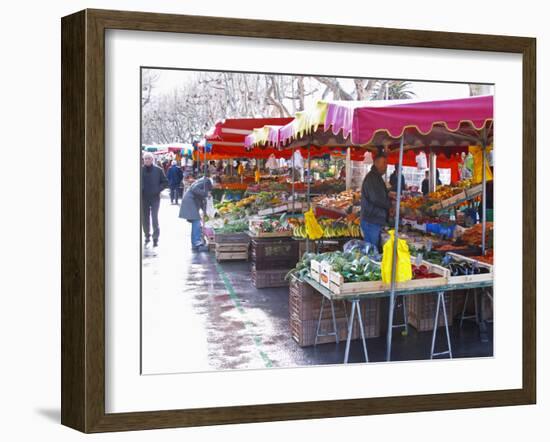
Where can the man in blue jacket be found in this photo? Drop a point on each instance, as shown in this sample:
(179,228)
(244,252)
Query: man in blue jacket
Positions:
(153,181)
(375,201)
(174,175)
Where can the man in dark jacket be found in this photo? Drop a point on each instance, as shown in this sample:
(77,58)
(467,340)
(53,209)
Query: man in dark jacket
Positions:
(153,181)
(393,181)
(192,202)
(426,182)
(175,175)
(375,201)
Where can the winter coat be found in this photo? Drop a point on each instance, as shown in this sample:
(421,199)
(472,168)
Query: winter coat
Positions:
(375,201)
(175,175)
(393,182)
(153,181)
(195,199)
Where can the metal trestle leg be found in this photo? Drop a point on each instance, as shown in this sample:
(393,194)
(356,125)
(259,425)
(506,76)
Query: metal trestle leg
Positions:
(441,303)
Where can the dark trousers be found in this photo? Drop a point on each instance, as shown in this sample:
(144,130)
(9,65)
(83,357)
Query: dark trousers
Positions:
(174,193)
(150,207)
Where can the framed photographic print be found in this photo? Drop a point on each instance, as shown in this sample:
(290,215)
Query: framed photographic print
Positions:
(267,221)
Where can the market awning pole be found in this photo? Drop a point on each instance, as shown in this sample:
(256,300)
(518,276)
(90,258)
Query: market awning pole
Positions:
(348,168)
(205,160)
(484,194)
(308,188)
(394,252)
(293,194)
(433,172)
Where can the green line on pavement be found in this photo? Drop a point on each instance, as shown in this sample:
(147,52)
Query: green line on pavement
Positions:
(248,324)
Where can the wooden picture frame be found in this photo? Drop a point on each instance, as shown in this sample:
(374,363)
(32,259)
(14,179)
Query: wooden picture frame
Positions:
(83,220)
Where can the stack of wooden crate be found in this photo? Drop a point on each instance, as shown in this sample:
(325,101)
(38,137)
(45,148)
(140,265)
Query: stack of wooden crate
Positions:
(304,310)
(272,258)
(231,246)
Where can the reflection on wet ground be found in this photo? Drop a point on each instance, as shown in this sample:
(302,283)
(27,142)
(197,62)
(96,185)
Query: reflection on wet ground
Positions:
(199,315)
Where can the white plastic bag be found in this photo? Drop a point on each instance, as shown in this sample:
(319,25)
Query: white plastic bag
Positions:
(210,209)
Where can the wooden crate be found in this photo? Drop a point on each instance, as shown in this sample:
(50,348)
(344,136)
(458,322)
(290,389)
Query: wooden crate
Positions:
(269,278)
(303,330)
(274,253)
(458,298)
(231,251)
(327,245)
(304,302)
(482,277)
(453,200)
(421,311)
(284,234)
(223,238)
(474,191)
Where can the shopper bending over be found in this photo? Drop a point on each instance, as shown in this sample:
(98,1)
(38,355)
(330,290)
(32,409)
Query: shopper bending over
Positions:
(375,201)
(191,204)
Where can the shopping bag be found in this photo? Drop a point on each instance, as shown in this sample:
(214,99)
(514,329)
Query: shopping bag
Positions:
(313,229)
(477,153)
(403,268)
(210,209)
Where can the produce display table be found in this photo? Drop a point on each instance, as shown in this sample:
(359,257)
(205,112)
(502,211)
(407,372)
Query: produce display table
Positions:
(356,298)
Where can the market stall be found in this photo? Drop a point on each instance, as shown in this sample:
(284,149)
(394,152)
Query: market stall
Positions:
(435,127)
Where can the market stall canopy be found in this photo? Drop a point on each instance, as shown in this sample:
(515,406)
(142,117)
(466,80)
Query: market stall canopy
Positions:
(227,139)
(181,148)
(374,124)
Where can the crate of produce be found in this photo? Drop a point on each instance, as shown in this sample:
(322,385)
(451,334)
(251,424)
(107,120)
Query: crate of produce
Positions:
(269,278)
(232,251)
(304,330)
(460,196)
(487,270)
(274,253)
(474,191)
(262,227)
(335,282)
(280,234)
(421,311)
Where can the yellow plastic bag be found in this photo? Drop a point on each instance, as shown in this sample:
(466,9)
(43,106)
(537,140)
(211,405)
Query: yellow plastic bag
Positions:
(477,153)
(257,176)
(313,229)
(403,269)
(240,169)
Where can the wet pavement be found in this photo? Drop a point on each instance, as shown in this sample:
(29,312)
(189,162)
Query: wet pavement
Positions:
(200,315)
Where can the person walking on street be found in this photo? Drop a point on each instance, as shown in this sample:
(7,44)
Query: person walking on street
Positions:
(153,181)
(175,175)
(375,201)
(192,202)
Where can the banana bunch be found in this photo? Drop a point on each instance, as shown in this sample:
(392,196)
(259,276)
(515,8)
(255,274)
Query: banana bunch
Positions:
(354,231)
(299,231)
(226,209)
